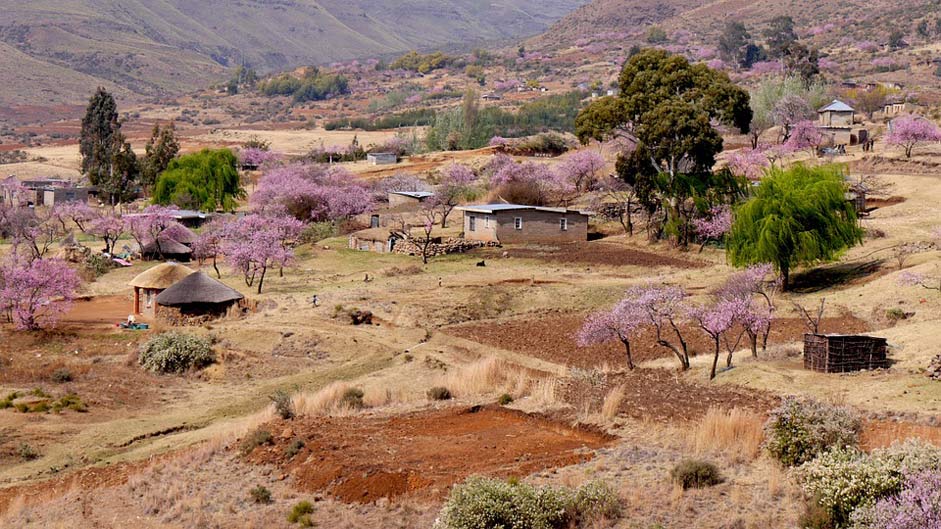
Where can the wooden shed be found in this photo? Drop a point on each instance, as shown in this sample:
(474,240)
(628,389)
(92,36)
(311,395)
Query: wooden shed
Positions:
(154,281)
(840,353)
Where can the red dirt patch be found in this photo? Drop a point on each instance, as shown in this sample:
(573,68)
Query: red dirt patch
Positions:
(660,395)
(882,433)
(552,338)
(362,459)
(593,253)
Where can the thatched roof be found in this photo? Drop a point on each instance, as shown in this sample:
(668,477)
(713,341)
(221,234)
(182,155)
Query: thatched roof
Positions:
(198,288)
(184,235)
(167,247)
(161,276)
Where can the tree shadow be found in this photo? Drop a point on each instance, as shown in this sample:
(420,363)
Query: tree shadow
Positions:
(841,274)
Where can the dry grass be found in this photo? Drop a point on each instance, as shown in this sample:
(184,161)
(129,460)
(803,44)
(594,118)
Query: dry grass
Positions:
(612,403)
(493,376)
(327,401)
(736,432)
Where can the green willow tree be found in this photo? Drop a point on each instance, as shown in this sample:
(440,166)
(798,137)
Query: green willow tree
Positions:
(161,149)
(666,110)
(98,143)
(207,180)
(798,217)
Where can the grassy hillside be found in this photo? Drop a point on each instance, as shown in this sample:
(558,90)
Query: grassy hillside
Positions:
(161,46)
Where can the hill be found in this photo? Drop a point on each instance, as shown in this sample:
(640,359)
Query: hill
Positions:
(853,36)
(155,47)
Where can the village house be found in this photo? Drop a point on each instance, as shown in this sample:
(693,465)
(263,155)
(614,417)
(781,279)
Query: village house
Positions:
(837,115)
(197,296)
(408,198)
(148,285)
(378,240)
(514,223)
(382,158)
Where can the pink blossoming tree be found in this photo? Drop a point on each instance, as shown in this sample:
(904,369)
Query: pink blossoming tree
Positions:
(620,323)
(34,293)
(109,228)
(253,244)
(713,226)
(312,193)
(910,131)
(455,187)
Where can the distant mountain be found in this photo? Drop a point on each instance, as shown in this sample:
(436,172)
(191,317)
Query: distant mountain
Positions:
(163,46)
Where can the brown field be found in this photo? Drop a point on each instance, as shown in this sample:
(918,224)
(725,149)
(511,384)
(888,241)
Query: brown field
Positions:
(340,459)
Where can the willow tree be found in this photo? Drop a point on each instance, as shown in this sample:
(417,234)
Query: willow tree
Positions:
(797,217)
(207,180)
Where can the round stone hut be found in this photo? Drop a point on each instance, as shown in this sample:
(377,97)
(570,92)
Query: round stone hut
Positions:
(154,281)
(199,296)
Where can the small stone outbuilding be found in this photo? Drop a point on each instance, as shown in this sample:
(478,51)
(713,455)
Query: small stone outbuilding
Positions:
(148,285)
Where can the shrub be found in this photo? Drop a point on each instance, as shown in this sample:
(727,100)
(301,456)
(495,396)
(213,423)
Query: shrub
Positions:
(798,430)
(61,376)
(353,399)
(695,474)
(71,402)
(97,264)
(175,352)
(294,448)
(318,231)
(917,506)
(846,479)
(27,452)
(596,500)
(505,399)
(260,494)
(439,393)
(255,439)
(300,513)
(283,404)
(484,502)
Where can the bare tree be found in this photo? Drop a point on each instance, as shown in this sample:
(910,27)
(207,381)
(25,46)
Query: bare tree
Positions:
(810,320)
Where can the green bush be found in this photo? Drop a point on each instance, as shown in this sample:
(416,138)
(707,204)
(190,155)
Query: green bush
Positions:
(255,439)
(845,479)
(27,452)
(175,352)
(260,494)
(318,231)
(439,393)
(488,503)
(61,376)
(505,399)
(694,474)
(283,404)
(98,264)
(294,448)
(300,513)
(798,430)
(353,399)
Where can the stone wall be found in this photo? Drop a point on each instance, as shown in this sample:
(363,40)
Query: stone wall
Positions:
(413,246)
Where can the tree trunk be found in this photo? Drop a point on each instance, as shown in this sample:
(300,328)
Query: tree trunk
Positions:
(627,349)
(785,279)
(261,280)
(715,359)
(215,267)
(753,338)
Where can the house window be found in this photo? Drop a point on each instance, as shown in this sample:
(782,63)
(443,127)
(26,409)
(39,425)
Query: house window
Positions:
(564,224)
(472,223)
(518,223)
(487,222)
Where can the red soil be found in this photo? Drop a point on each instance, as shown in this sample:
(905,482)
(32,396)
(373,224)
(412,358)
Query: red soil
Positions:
(594,253)
(362,459)
(552,338)
(882,433)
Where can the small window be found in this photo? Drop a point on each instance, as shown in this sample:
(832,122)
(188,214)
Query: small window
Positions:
(472,223)
(487,222)
(564,224)
(518,223)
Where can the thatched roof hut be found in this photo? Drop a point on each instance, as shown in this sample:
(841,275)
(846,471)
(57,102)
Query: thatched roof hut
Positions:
(154,281)
(199,295)
(168,249)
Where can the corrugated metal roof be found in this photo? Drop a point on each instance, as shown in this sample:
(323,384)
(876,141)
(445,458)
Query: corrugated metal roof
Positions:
(837,106)
(493,208)
(413,194)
